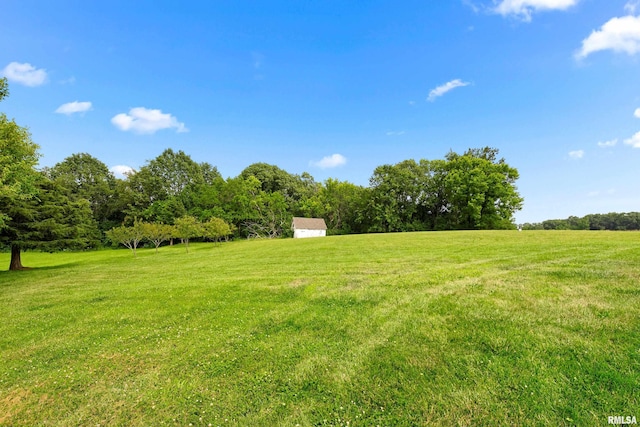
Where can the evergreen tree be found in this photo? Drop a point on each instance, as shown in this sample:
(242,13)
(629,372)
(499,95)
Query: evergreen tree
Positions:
(51,221)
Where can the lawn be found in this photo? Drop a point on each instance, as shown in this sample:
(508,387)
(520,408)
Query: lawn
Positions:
(437,328)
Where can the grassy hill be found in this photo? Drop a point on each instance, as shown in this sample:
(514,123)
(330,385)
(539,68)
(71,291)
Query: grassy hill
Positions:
(439,328)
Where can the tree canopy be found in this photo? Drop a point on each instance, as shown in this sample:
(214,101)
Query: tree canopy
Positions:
(88,178)
(473,190)
(18,158)
(481,190)
(4,88)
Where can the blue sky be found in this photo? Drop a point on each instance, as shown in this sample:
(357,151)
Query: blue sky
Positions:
(336,88)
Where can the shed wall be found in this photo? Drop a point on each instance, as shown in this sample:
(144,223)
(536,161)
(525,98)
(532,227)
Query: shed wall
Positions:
(302,233)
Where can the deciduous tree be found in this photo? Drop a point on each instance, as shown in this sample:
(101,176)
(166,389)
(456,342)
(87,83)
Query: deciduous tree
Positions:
(173,172)
(89,178)
(481,190)
(130,237)
(271,216)
(475,190)
(294,188)
(188,227)
(157,233)
(340,203)
(216,229)
(396,193)
(170,176)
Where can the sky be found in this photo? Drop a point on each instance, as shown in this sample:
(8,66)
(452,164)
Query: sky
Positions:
(336,88)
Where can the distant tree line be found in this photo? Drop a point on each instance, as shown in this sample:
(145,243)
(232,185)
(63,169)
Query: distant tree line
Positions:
(610,221)
(79,204)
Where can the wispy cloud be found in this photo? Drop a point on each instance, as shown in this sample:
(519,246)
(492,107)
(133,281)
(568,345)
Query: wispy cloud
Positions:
(632,6)
(442,89)
(121,171)
(523,9)
(599,193)
(257,59)
(331,161)
(618,35)
(637,113)
(395,133)
(25,74)
(610,143)
(471,5)
(74,107)
(71,80)
(634,141)
(257,63)
(577,154)
(145,121)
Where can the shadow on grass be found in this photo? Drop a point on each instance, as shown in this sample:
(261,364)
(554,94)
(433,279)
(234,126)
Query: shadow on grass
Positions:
(27,269)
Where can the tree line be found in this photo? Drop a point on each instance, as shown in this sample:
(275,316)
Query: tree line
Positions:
(79,204)
(628,221)
(474,190)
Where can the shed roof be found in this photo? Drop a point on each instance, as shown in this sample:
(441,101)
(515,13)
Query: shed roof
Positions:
(309,223)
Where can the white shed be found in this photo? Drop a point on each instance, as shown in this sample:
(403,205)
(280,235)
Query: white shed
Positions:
(308,227)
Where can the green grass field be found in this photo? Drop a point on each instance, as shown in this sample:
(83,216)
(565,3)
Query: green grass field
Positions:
(438,328)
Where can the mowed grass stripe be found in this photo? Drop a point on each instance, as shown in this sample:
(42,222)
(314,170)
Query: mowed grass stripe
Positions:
(456,328)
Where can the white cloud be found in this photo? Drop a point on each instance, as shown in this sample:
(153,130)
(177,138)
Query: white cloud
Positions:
(523,9)
(634,141)
(610,143)
(121,171)
(74,107)
(25,74)
(442,89)
(143,120)
(396,133)
(618,34)
(637,113)
(331,161)
(577,154)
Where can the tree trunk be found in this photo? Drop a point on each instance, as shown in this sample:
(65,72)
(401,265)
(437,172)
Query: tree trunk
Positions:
(16,262)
